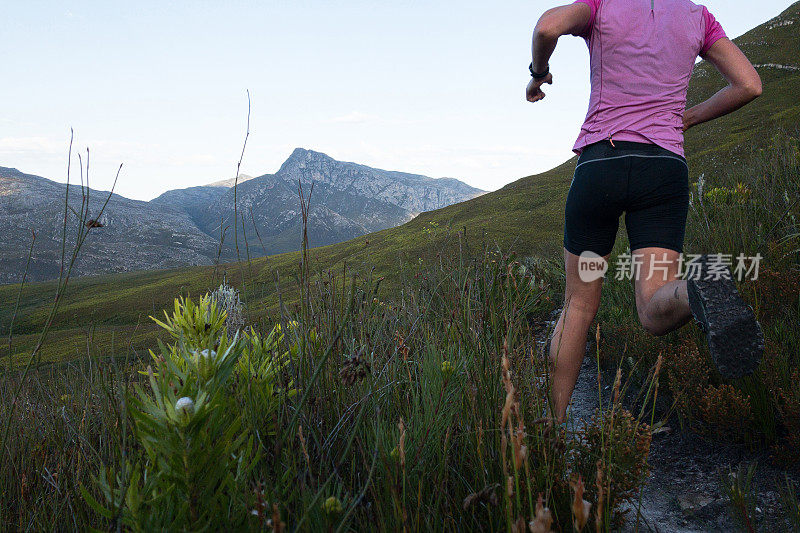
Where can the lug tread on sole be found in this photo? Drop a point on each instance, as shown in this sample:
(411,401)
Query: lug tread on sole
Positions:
(735,339)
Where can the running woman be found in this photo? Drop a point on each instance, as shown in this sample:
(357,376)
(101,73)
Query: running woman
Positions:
(631,161)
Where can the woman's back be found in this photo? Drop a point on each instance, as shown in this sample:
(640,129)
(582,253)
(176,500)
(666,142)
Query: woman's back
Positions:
(642,56)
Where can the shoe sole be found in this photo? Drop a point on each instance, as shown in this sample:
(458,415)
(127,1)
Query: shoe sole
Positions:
(735,339)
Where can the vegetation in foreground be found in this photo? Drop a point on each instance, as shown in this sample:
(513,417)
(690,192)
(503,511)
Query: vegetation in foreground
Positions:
(355,413)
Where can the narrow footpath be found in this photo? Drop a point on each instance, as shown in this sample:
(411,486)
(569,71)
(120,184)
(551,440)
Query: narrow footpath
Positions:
(683,492)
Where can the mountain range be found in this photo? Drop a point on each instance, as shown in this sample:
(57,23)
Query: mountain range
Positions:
(194,226)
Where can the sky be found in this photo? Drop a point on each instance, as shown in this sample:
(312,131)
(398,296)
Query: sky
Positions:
(435,88)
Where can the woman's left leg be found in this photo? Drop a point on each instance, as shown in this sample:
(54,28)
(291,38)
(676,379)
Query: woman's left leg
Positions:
(662,302)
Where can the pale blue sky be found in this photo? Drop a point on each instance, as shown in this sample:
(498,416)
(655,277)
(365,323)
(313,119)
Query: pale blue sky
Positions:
(429,87)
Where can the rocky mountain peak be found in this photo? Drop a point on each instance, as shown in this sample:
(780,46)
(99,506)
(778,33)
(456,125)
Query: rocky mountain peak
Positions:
(302,158)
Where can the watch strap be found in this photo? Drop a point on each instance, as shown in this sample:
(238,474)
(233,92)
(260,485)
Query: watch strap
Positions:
(539,75)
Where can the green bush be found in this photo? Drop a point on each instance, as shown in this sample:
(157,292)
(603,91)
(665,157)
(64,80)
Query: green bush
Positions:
(196,455)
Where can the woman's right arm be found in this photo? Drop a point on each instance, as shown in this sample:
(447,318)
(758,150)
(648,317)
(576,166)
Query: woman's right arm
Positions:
(744,84)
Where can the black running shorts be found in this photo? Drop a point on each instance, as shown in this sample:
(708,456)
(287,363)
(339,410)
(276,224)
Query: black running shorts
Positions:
(648,183)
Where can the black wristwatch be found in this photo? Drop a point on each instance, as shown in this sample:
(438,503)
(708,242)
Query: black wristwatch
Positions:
(539,75)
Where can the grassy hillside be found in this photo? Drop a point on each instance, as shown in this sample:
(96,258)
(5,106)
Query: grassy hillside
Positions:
(774,48)
(525,215)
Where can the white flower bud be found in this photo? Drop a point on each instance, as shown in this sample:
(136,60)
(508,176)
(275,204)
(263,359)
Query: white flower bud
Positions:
(185,408)
(204,357)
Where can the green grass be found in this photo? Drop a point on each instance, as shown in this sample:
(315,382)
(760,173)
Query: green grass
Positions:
(416,415)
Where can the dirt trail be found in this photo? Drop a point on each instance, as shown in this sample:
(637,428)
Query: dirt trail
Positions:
(683,492)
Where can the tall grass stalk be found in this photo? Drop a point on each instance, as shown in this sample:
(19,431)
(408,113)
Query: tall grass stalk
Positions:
(82,231)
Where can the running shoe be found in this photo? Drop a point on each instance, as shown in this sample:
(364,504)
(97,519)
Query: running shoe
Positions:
(735,339)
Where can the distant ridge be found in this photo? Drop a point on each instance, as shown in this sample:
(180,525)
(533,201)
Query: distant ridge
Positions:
(183,227)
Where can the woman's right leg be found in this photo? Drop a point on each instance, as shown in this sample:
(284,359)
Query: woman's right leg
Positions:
(568,343)
(591,217)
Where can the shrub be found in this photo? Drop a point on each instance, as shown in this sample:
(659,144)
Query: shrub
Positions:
(227,299)
(726,410)
(197,455)
(613,460)
(687,375)
(740,194)
(783,381)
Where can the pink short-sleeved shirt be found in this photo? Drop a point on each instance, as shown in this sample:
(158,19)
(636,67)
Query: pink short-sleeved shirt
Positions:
(642,53)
